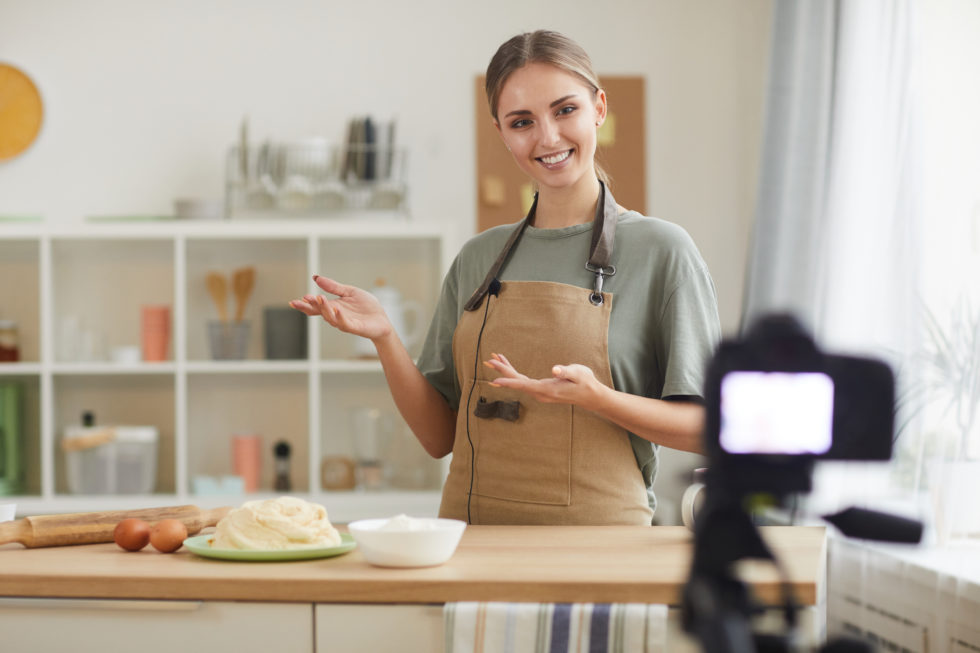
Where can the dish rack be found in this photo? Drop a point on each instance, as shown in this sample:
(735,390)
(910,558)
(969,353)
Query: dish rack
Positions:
(314,179)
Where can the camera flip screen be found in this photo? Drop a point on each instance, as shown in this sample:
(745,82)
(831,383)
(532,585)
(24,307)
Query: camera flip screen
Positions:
(787,413)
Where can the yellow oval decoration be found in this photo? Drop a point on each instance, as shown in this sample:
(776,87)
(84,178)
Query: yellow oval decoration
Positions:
(21,111)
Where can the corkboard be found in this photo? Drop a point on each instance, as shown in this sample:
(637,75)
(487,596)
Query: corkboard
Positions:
(502,188)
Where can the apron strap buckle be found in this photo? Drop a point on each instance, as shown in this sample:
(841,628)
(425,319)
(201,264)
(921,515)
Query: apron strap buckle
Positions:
(600,272)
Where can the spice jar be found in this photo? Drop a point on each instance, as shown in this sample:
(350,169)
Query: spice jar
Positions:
(9,342)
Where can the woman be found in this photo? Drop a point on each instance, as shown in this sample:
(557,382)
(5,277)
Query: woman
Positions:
(592,323)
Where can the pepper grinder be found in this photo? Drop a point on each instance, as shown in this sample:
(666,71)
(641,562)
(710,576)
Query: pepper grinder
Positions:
(281,451)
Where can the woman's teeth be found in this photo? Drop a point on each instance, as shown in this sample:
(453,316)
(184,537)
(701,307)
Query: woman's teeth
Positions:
(556,158)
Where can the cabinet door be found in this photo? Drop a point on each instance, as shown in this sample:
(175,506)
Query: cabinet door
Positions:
(83,625)
(379,628)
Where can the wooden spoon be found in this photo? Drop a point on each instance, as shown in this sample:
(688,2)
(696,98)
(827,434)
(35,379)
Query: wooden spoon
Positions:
(243,280)
(218,287)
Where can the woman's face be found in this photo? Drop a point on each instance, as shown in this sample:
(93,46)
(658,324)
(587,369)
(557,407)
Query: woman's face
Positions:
(548,120)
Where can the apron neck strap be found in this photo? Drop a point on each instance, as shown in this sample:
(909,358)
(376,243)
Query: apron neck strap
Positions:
(600,252)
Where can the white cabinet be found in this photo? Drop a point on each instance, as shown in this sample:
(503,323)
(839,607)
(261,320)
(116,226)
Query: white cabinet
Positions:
(85,625)
(76,293)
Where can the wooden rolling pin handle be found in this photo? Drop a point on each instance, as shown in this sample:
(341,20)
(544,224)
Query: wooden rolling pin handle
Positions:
(94,527)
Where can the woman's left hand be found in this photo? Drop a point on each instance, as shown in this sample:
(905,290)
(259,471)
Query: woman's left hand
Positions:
(569,384)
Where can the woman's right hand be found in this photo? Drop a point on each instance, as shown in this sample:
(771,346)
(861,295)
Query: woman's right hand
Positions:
(353,310)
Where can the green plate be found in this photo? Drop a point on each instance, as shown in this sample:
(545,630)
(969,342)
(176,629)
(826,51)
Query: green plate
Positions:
(201,546)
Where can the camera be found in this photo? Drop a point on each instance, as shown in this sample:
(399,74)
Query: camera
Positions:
(775,403)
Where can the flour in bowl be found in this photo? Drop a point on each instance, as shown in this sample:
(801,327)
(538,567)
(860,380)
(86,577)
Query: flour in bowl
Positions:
(406,523)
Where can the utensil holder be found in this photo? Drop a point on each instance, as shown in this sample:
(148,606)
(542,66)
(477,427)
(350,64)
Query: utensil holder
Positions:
(228,340)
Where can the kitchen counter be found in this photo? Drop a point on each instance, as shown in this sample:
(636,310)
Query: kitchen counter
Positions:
(492,563)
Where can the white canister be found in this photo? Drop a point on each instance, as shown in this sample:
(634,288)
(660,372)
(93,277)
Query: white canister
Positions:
(405,316)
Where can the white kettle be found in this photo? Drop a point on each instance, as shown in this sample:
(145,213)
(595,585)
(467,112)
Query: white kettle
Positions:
(405,316)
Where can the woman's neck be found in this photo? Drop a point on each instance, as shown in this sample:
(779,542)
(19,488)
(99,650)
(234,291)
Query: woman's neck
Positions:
(568,206)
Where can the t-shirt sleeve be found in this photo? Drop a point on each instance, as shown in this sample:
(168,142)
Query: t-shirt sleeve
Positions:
(691,330)
(436,360)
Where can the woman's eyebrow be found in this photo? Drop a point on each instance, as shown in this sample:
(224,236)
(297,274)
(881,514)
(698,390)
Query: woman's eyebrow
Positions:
(524,112)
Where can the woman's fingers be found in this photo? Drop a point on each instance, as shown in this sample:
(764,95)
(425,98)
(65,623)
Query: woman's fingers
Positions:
(566,385)
(500,364)
(304,307)
(333,287)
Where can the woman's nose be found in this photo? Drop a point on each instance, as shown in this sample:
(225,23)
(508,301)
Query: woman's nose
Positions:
(549,132)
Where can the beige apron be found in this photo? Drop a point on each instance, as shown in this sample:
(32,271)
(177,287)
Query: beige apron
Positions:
(520,461)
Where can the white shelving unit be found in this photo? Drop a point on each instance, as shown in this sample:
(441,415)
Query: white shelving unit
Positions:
(88,282)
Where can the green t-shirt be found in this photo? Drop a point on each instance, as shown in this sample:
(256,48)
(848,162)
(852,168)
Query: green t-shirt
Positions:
(664,320)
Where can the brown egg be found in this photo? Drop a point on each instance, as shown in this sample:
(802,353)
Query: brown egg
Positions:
(168,535)
(131,534)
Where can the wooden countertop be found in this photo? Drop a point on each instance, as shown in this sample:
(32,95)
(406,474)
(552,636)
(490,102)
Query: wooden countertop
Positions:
(493,563)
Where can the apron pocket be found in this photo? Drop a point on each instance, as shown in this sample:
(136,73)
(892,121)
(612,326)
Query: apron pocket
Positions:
(527,459)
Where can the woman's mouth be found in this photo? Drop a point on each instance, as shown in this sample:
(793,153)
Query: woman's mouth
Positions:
(556,159)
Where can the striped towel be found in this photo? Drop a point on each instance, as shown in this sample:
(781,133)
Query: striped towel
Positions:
(492,627)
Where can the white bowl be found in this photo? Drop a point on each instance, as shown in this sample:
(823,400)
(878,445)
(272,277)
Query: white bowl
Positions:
(430,542)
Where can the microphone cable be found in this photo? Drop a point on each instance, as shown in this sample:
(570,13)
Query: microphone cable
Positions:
(493,291)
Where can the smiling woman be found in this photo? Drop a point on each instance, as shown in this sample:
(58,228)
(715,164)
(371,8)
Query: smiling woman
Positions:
(609,315)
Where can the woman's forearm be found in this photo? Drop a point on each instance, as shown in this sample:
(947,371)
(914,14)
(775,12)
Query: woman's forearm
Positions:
(674,424)
(424,409)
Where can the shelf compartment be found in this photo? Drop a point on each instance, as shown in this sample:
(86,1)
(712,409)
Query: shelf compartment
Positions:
(280,275)
(117,399)
(96,307)
(360,422)
(20,293)
(410,265)
(273,406)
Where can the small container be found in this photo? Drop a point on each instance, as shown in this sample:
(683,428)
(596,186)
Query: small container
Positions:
(111,459)
(9,342)
(281,450)
(8,511)
(246,451)
(228,340)
(285,333)
(155,332)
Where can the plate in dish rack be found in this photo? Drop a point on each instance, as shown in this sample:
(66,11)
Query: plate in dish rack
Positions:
(201,545)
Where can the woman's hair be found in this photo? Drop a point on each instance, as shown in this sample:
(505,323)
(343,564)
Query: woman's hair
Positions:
(541,46)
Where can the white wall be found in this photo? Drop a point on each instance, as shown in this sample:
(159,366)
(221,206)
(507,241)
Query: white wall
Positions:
(143,99)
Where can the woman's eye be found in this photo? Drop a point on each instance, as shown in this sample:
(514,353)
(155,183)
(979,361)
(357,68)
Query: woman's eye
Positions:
(517,124)
(564,111)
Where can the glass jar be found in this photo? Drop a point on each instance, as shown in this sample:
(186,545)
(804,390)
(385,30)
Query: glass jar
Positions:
(9,342)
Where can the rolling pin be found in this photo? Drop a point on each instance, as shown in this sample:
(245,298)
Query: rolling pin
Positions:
(93,527)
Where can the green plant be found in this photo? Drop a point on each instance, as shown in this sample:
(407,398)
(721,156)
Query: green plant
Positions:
(946,373)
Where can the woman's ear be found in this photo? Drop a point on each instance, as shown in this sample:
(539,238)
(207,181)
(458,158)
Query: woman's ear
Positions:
(601,107)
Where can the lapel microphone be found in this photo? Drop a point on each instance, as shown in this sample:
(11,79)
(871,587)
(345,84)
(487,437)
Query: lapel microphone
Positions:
(494,287)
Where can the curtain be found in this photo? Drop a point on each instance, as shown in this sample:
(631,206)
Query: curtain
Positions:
(838,240)
(834,235)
